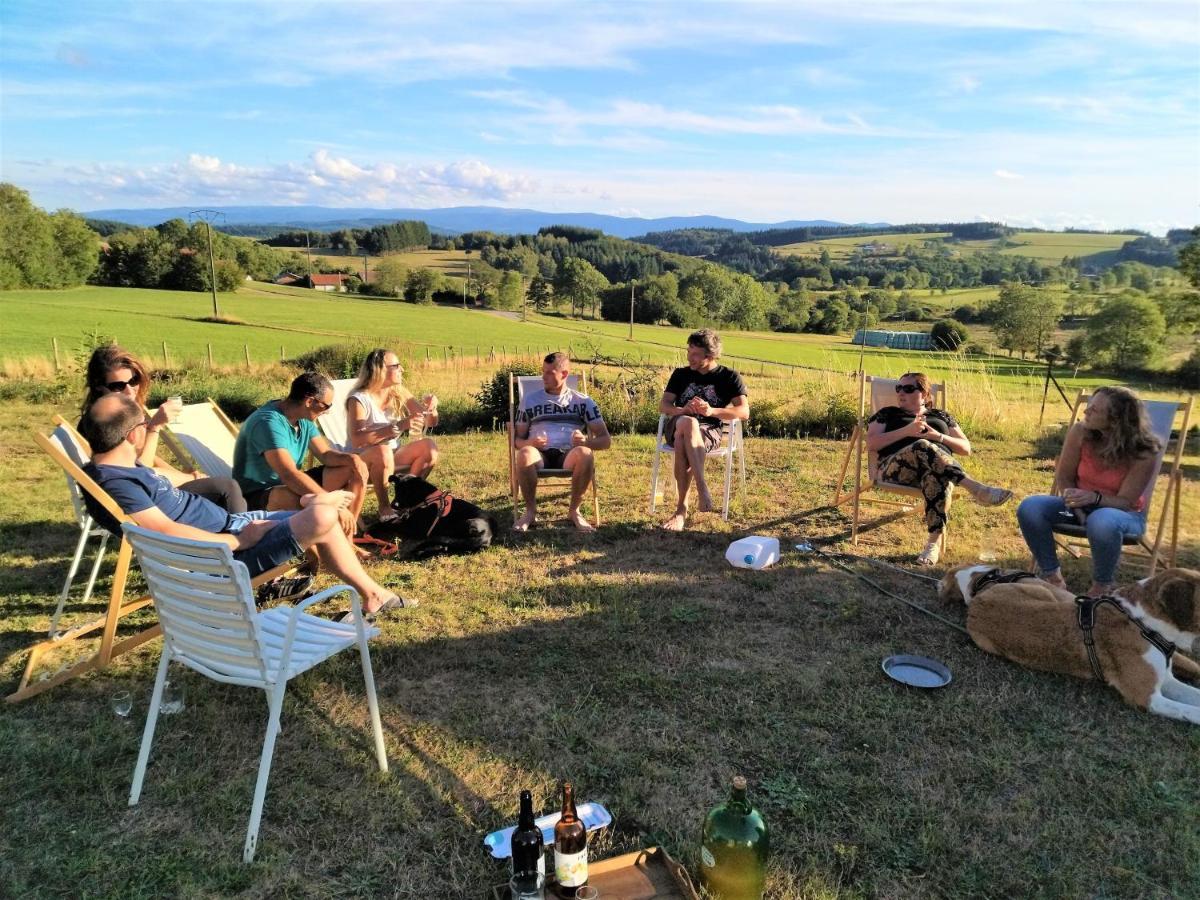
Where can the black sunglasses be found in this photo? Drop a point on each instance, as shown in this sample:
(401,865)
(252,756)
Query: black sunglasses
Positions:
(906,389)
(321,405)
(117,386)
(130,431)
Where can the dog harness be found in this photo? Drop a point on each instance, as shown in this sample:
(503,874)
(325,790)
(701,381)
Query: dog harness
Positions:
(996,576)
(441,499)
(1085,609)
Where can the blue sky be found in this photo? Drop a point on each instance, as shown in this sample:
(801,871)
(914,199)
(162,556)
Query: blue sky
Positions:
(1035,113)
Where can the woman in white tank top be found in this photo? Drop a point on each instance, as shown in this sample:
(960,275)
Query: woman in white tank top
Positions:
(378,411)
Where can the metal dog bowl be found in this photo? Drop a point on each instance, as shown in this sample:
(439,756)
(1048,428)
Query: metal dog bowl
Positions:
(916,671)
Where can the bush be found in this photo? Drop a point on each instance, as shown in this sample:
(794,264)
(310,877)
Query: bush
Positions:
(492,398)
(335,360)
(948,334)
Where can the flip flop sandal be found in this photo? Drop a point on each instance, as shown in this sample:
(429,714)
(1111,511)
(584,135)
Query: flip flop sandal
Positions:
(383,548)
(993,496)
(393,603)
(282,588)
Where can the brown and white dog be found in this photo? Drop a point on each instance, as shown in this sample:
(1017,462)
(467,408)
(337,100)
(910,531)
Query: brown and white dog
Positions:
(1035,624)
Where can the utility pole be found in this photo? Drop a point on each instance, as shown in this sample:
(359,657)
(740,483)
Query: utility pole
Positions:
(208,216)
(465,283)
(632,282)
(308,250)
(364,250)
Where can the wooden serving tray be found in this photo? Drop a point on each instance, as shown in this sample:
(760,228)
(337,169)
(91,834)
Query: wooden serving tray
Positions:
(649,874)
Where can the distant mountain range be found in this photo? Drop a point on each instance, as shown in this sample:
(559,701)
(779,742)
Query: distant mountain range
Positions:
(449,220)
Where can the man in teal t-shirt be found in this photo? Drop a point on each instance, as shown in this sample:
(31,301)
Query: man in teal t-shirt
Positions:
(274,441)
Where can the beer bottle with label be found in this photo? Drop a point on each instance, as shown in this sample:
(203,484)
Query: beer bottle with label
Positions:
(527,850)
(734,844)
(570,847)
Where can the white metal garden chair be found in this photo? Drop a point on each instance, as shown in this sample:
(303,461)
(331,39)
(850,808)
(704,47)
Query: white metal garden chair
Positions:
(63,437)
(205,605)
(731,445)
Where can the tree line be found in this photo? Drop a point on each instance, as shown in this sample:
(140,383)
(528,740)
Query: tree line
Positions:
(40,249)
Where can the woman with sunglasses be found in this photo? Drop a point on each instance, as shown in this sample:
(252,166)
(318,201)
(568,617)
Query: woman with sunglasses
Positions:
(1100,481)
(378,410)
(114,370)
(916,444)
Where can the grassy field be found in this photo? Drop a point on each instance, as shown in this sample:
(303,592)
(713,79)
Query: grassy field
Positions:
(1048,247)
(633,662)
(451,263)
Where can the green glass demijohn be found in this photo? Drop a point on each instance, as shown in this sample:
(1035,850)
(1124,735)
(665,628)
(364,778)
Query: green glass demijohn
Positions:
(733,848)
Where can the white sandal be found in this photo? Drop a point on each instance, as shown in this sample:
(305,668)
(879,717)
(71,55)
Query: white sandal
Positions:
(931,554)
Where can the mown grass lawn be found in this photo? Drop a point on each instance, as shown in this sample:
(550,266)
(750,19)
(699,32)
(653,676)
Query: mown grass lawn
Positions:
(633,662)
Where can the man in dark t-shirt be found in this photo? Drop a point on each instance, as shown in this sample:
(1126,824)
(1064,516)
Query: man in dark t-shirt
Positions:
(698,400)
(115,427)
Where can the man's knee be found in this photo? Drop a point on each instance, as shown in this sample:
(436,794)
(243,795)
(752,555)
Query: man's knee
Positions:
(686,426)
(528,456)
(579,456)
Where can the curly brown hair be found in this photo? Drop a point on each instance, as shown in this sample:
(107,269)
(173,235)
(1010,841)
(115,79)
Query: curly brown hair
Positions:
(1128,436)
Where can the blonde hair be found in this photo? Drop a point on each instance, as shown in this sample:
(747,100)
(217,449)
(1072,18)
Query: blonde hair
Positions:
(372,375)
(1128,435)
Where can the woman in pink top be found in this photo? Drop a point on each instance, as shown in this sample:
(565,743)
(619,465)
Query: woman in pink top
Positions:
(1102,475)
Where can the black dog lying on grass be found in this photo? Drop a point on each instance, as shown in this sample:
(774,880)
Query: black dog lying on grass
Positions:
(441,522)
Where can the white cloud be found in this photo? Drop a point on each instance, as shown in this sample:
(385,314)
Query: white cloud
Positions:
(1004,173)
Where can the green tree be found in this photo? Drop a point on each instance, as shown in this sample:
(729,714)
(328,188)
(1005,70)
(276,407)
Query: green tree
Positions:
(389,277)
(1023,317)
(1189,258)
(540,294)
(509,294)
(948,334)
(579,282)
(38,250)
(1127,331)
(1075,354)
(419,285)
(1181,310)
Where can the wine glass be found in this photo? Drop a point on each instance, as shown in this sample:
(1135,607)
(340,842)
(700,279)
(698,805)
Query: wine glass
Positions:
(122,704)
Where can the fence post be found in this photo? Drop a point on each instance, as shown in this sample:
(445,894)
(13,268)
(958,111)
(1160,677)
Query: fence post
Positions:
(427,354)
(210,359)
(166,361)
(492,354)
(246,351)
(282,354)
(57,362)
(446,355)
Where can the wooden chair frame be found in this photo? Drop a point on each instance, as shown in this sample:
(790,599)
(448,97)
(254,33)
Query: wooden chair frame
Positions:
(576,382)
(1148,549)
(191,450)
(116,609)
(863,487)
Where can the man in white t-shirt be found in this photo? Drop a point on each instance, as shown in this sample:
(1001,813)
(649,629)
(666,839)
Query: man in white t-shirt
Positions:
(558,428)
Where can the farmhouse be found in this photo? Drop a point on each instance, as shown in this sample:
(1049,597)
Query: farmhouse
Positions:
(325,283)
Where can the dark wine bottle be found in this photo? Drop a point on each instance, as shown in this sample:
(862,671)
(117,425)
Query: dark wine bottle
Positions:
(527,849)
(570,848)
(734,845)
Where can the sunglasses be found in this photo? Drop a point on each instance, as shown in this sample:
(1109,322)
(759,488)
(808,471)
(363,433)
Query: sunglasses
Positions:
(117,386)
(321,405)
(393,366)
(137,426)
(906,389)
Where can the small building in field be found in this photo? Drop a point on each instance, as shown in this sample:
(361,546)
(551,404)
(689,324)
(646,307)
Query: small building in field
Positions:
(331,283)
(287,278)
(896,340)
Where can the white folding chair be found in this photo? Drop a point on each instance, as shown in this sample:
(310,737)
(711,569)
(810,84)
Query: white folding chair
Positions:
(1149,547)
(203,437)
(205,605)
(64,439)
(882,393)
(333,422)
(731,445)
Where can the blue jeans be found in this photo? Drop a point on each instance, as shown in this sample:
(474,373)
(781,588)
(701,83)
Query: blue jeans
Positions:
(1106,528)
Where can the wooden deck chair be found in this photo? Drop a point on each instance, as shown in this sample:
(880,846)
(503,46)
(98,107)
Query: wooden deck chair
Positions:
(1148,549)
(202,438)
(731,445)
(517,386)
(333,422)
(879,393)
(116,609)
(205,605)
(67,440)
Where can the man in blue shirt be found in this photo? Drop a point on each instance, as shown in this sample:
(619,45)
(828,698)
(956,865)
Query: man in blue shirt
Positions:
(274,441)
(115,426)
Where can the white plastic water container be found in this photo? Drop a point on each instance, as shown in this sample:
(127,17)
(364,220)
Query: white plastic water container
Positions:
(754,552)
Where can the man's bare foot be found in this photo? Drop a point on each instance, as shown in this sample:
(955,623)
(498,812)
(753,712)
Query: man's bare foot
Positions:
(703,501)
(526,521)
(676,522)
(575,517)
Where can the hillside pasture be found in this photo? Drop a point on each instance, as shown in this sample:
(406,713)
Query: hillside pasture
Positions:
(1045,246)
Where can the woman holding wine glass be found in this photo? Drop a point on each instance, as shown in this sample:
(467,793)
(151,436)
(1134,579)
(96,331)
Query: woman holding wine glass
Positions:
(380,409)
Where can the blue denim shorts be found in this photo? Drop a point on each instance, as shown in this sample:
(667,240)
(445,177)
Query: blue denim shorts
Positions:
(279,545)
